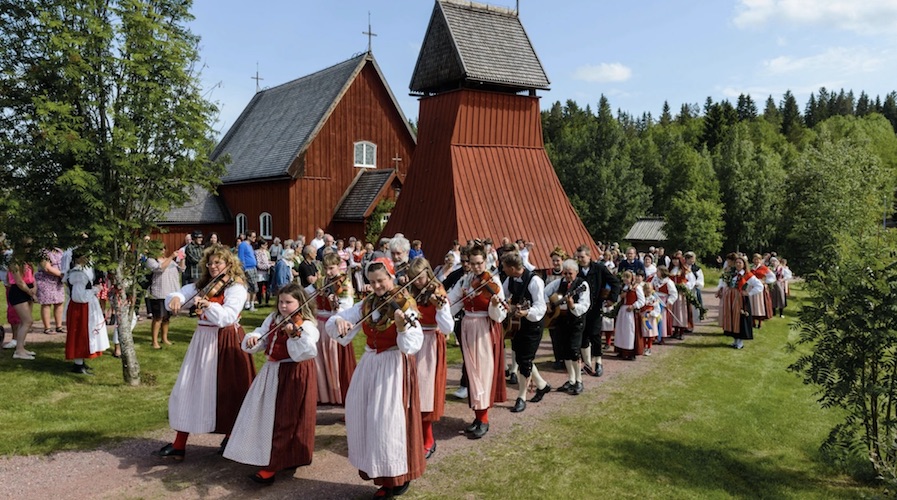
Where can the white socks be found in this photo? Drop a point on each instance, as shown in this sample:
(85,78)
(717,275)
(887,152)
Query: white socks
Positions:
(572,371)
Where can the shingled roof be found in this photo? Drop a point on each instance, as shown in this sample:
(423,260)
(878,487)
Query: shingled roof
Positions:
(647,229)
(361,195)
(474,43)
(279,123)
(202,208)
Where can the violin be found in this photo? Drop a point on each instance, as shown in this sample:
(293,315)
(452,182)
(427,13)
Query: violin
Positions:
(400,301)
(433,293)
(485,283)
(212,289)
(333,288)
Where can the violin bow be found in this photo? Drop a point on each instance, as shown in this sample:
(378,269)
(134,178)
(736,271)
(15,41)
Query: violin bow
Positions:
(472,293)
(204,290)
(387,301)
(283,322)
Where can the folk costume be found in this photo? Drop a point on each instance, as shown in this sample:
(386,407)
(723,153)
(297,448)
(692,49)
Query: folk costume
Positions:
(275,428)
(778,291)
(383,424)
(437,322)
(527,289)
(650,315)
(483,340)
(215,374)
(603,286)
(736,318)
(570,324)
(669,295)
(627,327)
(87,336)
(761,304)
(681,311)
(335,363)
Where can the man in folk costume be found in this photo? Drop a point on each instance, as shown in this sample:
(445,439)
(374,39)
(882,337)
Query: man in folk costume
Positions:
(526,296)
(479,293)
(383,425)
(570,295)
(736,286)
(604,287)
(761,304)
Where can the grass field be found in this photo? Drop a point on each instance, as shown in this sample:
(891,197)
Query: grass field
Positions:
(702,421)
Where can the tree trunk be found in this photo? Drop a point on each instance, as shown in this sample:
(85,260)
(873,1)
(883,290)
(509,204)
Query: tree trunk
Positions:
(124,310)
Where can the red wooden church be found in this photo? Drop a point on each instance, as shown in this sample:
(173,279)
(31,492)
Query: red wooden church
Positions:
(319,151)
(480,169)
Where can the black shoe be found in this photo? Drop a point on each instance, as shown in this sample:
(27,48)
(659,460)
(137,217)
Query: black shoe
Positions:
(507,373)
(430,452)
(519,406)
(480,431)
(513,379)
(398,490)
(540,393)
(576,389)
(81,370)
(168,451)
(599,370)
(261,480)
(472,427)
(566,387)
(223,445)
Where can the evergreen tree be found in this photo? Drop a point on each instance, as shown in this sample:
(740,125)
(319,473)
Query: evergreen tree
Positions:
(864,107)
(792,126)
(810,112)
(772,114)
(693,220)
(889,109)
(665,117)
(746,108)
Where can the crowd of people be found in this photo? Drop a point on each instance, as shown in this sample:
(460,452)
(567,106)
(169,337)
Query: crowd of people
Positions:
(325,293)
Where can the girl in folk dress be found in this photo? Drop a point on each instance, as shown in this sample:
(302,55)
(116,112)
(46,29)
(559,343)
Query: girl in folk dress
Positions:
(335,362)
(437,322)
(650,315)
(607,323)
(736,286)
(761,304)
(650,268)
(666,290)
(383,406)
(87,336)
(216,373)
(777,289)
(627,332)
(684,279)
(276,425)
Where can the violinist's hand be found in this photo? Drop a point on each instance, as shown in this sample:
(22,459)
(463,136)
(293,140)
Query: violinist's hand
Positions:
(293,330)
(175,305)
(495,301)
(343,327)
(251,342)
(403,280)
(367,288)
(200,303)
(333,298)
(399,317)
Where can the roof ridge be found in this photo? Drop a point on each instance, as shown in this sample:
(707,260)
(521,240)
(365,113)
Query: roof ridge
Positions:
(507,11)
(354,59)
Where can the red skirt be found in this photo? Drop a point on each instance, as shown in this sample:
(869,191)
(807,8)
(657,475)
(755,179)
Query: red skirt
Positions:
(499,389)
(77,338)
(347,363)
(293,439)
(441,376)
(236,370)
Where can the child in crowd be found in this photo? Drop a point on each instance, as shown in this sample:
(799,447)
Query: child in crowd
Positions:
(650,316)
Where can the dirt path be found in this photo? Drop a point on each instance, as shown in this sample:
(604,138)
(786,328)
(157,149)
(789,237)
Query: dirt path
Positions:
(126,470)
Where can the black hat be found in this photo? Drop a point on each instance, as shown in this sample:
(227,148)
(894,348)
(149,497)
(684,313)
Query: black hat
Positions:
(197,234)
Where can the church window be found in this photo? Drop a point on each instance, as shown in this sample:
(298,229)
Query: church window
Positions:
(365,154)
(241,224)
(265,225)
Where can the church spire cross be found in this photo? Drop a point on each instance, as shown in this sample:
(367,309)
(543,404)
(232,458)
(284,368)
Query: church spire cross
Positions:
(396,160)
(257,78)
(369,32)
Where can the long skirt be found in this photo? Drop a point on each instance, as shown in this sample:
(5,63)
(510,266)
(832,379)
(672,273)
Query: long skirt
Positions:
(779,299)
(735,314)
(212,382)
(761,304)
(86,337)
(276,425)
(335,364)
(483,341)
(628,333)
(681,313)
(431,372)
(383,425)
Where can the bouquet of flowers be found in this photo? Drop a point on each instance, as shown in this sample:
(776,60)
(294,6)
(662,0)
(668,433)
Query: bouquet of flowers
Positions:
(691,299)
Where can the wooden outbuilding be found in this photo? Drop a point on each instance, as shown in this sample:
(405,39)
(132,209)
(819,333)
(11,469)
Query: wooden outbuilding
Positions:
(300,152)
(480,169)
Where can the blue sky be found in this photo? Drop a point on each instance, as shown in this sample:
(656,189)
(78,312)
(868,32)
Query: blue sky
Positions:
(637,53)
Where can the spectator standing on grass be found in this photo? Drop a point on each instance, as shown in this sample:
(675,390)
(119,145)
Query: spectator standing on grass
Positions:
(21,298)
(164,282)
(192,256)
(263,264)
(246,254)
(50,291)
(11,317)
(283,272)
(275,250)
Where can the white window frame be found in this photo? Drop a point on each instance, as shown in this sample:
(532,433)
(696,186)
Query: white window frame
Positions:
(365,161)
(240,220)
(265,225)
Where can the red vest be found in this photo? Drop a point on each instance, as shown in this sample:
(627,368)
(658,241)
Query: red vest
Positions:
(380,337)
(277,344)
(630,298)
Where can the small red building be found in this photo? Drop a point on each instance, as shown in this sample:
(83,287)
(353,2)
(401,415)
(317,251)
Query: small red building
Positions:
(319,151)
(481,169)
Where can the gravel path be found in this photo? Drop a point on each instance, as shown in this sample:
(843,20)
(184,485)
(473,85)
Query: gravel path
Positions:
(127,470)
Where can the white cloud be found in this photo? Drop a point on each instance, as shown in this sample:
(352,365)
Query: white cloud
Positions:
(867,17)
(602,73)
(836,60)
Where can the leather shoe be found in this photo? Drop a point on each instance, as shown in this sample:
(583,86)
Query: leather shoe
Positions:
(519,406)
(81,370)
(262,480)
(599,370)
(513,379)
(540,393)
(480,431)
(168,451)
(472,427)
(566,387)
(398,490)
(588,369)
(222,446)
(430,452)
(576,389)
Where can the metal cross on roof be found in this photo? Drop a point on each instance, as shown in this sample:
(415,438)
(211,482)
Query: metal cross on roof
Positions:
(397,159)
(256,78)
(369,33)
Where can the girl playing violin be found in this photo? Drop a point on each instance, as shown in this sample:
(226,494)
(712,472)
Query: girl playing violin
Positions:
(216,373)
(383,406)
(335,363)
(480,295)
(436,322)
(276,425)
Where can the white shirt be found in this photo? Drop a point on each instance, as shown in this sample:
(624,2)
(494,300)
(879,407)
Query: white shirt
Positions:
(580,307)
(536,289)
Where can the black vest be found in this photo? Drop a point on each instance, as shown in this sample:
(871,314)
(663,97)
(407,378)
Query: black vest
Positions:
(562,288)
(519,291)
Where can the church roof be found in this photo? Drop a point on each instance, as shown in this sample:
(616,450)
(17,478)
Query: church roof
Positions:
(279,123)
(468,42)
(203,207)
(358,201)
(646,229)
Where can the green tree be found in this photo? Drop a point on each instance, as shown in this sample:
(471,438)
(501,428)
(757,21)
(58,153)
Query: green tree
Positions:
(105,123)
(693,220)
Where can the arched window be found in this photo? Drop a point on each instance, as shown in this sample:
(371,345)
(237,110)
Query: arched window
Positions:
(241,224)
(265,225)
(365,154)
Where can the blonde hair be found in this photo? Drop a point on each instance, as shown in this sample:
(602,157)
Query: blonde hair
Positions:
(222,253)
